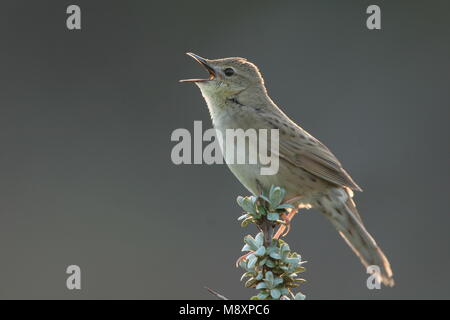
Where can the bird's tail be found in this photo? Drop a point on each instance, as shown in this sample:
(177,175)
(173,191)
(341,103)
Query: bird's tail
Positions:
(337,205)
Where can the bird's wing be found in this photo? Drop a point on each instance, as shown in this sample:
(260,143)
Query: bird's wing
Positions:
(305,151)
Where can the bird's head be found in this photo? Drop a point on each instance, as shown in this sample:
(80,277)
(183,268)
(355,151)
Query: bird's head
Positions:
(228,77)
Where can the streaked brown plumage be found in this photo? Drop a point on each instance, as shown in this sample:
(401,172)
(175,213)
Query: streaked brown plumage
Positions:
(309,172)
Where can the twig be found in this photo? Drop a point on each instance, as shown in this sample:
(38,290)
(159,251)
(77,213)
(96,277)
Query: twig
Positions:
(268,229)
(216,294)
(270,266)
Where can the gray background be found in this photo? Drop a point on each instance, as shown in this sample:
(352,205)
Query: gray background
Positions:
(85,124)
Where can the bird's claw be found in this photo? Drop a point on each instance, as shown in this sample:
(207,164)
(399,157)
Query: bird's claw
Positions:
(284,229)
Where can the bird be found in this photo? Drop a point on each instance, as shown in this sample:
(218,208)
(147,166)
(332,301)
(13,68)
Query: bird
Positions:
(237,98)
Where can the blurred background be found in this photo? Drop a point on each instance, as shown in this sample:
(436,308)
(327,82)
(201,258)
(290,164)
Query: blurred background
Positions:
(86,117)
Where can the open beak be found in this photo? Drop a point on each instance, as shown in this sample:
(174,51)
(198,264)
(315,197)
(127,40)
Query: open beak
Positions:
(204,63)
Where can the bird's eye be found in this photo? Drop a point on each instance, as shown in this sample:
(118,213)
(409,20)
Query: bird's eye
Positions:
(228,72)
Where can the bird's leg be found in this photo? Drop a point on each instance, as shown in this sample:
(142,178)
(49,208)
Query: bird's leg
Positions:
(284,229)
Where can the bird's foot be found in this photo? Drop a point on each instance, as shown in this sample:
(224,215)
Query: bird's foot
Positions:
(284,229)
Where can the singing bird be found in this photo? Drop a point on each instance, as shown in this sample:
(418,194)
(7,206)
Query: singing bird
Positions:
(311,175)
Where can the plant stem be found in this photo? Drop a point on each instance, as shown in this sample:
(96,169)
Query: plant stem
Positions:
(267,228)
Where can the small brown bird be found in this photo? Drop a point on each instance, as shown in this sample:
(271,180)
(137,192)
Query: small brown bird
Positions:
(312,176)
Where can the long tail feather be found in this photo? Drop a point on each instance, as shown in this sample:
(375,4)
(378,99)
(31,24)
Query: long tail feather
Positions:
(337,205)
